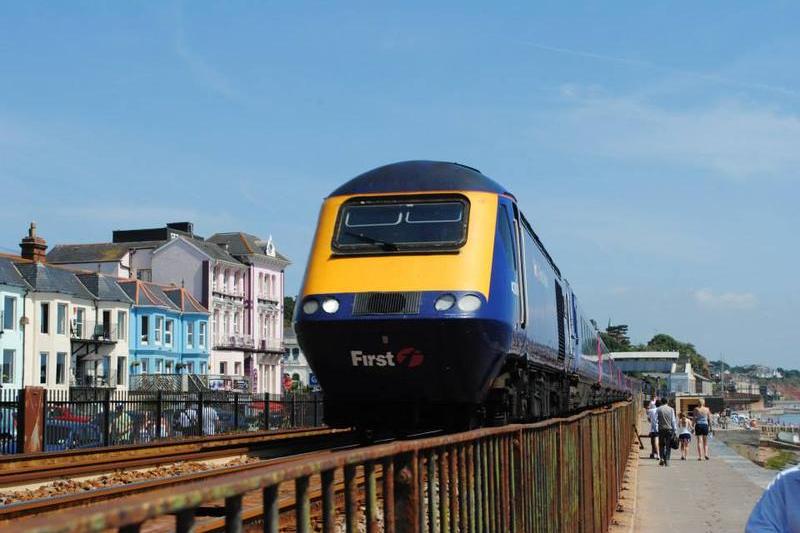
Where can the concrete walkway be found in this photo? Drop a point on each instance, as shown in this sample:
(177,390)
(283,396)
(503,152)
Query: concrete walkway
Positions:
(697,496)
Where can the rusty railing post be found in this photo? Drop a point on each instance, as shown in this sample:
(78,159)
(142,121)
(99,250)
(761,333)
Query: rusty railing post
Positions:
(33,418)
(406,493)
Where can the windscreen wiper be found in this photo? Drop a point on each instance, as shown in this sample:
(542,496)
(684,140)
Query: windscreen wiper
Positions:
(388,246)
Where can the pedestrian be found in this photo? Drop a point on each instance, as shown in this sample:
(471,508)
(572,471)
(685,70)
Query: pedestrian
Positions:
(210,420)
(667,427)
(702,421)
(121,426)
(778,510)
(684,434)
(188,420)
(651,417)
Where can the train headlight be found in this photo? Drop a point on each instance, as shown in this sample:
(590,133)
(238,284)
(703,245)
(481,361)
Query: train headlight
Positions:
(469,303)
(444,302)
(330,305)
(310,307)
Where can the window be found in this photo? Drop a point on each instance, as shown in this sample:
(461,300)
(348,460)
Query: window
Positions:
(79,315)
(190,368)
(202,368)
(122,364)
(9,313)
(122,325)
(159,329)
(43,357)
(226,326)
(106,370)
(145,335)
(144,274)
(7,368)
(61,367)
(399,224)
(61,319)
(235,323)
(145,366)
(190,335)
(168,332)
(44,318)
(237,368)
(159,366)
(202,335)
(223,368)
(169,367)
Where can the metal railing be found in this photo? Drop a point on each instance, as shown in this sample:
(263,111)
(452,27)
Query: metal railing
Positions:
(560,475)
(96,331)
(10,419)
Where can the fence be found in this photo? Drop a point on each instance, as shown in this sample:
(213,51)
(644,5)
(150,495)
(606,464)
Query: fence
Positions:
(9,420)
(87,418)
(559,475)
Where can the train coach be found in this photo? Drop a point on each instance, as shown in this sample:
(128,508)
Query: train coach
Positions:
(429,301)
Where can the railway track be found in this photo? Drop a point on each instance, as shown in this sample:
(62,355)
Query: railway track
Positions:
(16,470)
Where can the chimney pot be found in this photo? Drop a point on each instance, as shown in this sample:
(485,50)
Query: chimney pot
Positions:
(33,247)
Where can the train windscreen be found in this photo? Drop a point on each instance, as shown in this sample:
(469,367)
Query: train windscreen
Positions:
(400,224)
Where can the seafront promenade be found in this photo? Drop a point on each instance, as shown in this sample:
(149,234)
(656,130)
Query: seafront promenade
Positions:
(697,496)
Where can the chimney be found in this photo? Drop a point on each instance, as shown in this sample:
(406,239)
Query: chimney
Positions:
(33,247)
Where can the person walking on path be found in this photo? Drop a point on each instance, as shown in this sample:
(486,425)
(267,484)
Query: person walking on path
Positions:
(685,434)
(651,417)
(667,427)
(702,425)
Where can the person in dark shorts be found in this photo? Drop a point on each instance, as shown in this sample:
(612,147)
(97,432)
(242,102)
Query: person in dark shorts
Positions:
(702,425)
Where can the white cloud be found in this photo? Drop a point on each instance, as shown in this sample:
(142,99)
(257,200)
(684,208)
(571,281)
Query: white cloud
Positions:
(729,138)
(726,300)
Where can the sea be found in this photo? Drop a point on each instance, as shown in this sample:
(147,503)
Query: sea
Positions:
(793,418)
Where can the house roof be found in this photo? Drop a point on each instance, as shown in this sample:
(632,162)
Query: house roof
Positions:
(45,278)
(184,300)
(213,250)
(103,252)
(146,293)
(9,275)
(244,244)
(104,288)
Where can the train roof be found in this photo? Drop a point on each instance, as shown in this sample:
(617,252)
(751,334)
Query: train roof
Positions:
(414,176)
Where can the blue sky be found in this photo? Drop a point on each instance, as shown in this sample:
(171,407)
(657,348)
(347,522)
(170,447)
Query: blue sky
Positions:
(655,148)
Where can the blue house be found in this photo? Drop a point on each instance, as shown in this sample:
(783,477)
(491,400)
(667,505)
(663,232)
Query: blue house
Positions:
(13,292)
(169,330)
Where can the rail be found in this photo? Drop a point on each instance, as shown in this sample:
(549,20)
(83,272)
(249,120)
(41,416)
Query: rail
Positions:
(557,475)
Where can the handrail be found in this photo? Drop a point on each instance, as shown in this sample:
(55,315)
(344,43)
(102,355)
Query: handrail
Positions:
(509,450)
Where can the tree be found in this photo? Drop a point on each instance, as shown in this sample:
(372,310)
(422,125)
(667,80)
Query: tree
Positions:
(288,310)
(686,351)
(616,338)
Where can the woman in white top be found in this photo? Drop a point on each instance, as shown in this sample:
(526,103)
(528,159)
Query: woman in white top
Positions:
(685,435)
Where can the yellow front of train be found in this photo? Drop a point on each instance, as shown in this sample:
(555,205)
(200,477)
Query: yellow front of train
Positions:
(396,315)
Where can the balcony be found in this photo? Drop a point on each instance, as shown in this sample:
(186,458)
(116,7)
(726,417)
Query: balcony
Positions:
(96,332)
(247,343)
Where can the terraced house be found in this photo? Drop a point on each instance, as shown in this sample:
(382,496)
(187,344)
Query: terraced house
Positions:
(13,294)
(73,326)
(169,333)
(237,277)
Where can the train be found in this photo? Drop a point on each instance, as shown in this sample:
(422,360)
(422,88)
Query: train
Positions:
(429,301)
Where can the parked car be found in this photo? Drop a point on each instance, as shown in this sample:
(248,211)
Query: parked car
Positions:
(62,435)
(58,412)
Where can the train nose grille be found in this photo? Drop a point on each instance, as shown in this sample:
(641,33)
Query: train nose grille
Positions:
(386,303)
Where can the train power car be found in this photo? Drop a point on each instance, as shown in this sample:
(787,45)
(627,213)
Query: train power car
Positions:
(429,302)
